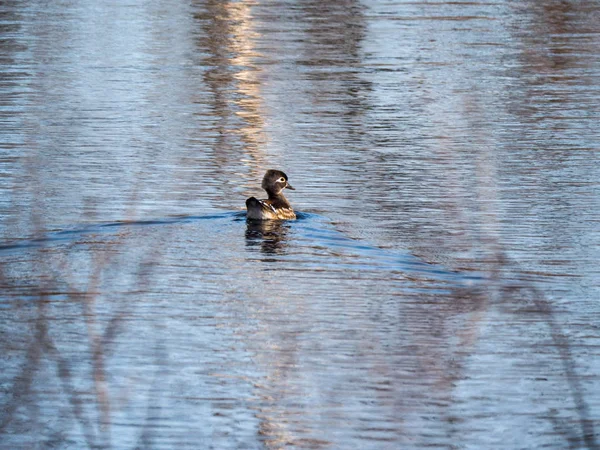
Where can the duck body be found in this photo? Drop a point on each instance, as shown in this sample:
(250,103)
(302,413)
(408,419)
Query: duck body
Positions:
(268,210)
(276,207)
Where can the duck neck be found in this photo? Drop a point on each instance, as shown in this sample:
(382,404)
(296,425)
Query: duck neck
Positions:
(277,197)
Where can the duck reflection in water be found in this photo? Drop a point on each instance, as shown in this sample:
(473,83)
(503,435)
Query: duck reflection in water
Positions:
(271,235)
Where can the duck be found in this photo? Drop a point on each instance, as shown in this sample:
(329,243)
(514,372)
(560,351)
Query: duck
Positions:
(276,207)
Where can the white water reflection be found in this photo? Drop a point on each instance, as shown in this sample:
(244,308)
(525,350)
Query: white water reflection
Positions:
(439,289)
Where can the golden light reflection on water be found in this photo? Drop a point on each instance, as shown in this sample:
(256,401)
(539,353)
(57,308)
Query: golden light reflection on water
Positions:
(235,81)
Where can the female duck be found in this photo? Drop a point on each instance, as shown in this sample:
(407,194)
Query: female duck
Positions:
(276,206)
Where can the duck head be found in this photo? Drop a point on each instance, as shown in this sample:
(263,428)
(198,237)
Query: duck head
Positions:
(275,181)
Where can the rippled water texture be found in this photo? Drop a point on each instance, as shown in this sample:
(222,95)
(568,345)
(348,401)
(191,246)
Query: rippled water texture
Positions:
(440,288)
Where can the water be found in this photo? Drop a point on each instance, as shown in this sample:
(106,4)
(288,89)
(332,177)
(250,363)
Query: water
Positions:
(439,289)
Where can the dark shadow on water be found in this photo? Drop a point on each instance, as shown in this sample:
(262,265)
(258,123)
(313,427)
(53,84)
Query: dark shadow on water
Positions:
(273,237)
(74,233)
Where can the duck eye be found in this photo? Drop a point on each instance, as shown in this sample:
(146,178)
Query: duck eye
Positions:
(281,180)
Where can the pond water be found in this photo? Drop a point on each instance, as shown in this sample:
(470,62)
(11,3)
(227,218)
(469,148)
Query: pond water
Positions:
(439,289)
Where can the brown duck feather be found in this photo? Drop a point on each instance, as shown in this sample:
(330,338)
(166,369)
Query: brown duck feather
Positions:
(265,210)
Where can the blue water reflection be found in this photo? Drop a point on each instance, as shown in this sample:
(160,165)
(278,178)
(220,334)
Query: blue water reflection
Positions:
(439,288)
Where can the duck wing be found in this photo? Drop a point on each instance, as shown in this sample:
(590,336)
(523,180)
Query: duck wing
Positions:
(260,209)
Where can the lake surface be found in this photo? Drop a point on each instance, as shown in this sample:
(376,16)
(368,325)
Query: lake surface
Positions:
(440,288)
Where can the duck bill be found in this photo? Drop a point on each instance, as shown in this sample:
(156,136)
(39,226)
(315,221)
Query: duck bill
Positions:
(289,186)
